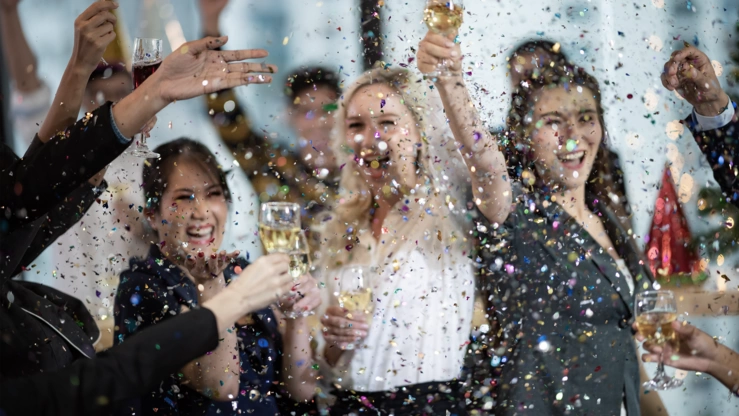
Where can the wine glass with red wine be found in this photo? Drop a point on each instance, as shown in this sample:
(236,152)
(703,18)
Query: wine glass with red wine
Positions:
(147,56)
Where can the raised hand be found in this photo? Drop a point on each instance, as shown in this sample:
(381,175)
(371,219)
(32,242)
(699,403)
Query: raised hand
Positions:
(204,266)
(691,74)
(342,330)
(435,49)
(195,68)
(263,282)
(94,29)
(303,297)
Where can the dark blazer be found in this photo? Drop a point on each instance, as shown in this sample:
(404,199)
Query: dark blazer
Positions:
(720,147)
(564,312)
(41,196)
(43,332)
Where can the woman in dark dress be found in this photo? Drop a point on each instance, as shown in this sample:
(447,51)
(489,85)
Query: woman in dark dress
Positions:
(256,368)
(560,267)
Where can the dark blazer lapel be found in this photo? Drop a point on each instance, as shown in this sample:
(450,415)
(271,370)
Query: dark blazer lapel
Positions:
(601,262)
(58,313)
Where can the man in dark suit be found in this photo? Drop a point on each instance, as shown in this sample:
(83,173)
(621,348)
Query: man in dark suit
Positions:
(41,195)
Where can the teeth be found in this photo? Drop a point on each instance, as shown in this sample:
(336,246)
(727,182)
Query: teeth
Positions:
(573,156)
(203,232)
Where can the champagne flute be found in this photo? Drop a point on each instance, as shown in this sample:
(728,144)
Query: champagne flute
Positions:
(299,256)
(147,56)
(655,312)
(279,226)
(355,293)
(444,18)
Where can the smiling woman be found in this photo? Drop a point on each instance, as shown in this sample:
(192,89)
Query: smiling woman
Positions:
(187,205)
(396,218)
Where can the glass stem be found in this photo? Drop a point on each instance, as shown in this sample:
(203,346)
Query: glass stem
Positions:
(660,367)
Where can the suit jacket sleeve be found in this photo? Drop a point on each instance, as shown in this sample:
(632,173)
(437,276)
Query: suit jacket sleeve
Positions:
(67,213)
(720,146)
(129,370)
(31,186)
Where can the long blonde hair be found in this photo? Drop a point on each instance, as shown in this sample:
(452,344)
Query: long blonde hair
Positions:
(355,197)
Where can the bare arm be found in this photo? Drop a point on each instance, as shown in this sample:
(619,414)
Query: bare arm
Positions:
(297,360)
(486,164)
(21,60)
(216,374)
(93,31)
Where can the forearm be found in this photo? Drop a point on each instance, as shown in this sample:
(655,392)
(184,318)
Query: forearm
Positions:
(216,374)
(18,55)
(485,162)
(136,109)
(298,374)
(725,367)
(332,354)
(127,371)
(67,102)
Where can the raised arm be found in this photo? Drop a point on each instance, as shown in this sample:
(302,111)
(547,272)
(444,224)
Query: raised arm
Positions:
(18,55)
(486,164)
(232,124)
(714,122)
(93,31)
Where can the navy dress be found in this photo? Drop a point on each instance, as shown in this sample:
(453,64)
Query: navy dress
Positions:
(154,289)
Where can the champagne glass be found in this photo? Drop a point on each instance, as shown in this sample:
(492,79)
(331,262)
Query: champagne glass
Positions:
(444,18)
(279,226)
(655,312)
(299,256)
(355,292)
(147,56)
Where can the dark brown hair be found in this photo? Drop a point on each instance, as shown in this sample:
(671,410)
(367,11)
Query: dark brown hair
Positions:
(310,78)
(601,184)
(157,171)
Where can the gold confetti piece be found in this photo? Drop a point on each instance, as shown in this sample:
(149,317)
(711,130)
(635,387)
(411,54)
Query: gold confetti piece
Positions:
(284,41)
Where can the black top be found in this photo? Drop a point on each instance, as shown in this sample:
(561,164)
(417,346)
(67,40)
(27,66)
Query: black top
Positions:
(151,291)
(564,311)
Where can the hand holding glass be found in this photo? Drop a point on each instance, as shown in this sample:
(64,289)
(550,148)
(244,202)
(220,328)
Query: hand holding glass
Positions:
(655,312)
(444,18)
(147,56)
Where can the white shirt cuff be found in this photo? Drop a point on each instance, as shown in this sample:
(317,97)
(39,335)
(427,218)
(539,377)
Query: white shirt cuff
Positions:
(703,123)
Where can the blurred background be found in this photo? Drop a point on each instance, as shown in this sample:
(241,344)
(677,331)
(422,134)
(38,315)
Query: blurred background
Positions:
(624,44)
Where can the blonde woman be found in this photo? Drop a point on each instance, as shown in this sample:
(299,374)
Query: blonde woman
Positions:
(405,355)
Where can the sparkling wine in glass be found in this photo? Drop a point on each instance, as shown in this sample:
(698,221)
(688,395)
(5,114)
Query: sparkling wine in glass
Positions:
(444,18)
(355,293)
(655,312)
(279,226)
(147,56)
(299,256)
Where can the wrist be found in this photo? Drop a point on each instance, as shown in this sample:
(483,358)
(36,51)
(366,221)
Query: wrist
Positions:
(451,80)
(211,27)
(713,108)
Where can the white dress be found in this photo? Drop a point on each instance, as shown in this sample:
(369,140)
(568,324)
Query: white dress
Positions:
(423,299)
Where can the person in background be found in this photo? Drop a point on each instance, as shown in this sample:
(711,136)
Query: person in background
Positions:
(715,126)
(46,331)
(188,198)
(398,219)
(306,175)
